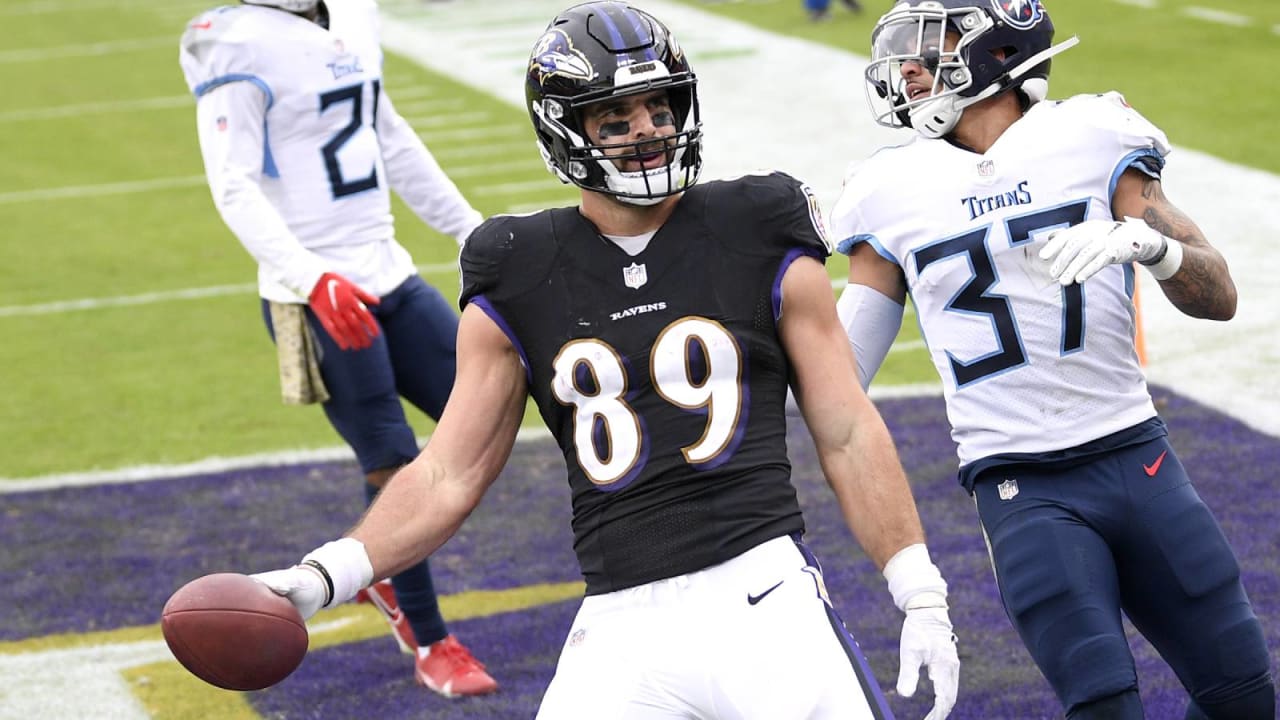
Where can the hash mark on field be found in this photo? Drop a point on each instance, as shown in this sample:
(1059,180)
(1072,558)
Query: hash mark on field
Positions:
(1146,4)
(1217,16)
(86,50)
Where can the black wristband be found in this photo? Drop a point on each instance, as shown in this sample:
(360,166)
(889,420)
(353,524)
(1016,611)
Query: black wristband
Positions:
(328,581)
(1163,251)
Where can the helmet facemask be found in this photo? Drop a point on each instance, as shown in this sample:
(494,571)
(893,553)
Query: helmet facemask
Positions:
(920,36)
(574,158)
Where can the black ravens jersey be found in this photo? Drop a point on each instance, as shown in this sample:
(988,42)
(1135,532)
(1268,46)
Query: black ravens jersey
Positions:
(661,375)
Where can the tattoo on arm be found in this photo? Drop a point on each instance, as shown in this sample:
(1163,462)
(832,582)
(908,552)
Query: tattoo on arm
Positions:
(1203,286)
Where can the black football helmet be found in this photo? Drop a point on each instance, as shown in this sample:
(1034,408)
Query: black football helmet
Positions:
(601,50)
(916,31)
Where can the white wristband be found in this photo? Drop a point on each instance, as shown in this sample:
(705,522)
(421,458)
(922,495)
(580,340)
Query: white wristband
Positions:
(1167,266)
(910,572)
(345,567)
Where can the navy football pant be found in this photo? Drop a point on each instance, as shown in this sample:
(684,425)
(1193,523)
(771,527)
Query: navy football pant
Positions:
(412,358)
(1124,531)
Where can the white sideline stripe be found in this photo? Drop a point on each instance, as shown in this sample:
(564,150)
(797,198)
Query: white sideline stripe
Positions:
(64,306)
(57,111)
(120,188)
(145,473)
(1147,4)
(1218,16)
(87,49)
(79,304)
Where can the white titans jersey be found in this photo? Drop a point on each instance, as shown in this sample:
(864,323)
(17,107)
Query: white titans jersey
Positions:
(322,168)
(1027,365)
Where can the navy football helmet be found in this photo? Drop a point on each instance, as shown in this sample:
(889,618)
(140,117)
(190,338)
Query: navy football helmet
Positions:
(602,50)
(995,46)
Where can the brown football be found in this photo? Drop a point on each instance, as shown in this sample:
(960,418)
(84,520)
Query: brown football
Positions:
(234,632)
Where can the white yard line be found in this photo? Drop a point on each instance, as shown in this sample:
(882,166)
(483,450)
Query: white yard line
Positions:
(1220,17)
(87,49)
(95,108)
(81,304)
(144,473)
(69,192)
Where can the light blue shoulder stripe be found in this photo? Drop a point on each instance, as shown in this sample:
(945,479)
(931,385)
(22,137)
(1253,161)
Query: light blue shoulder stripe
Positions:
(844,247)
(268,162)
(1132,160)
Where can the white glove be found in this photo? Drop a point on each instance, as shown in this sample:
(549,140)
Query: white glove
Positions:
(927,640)
(301,584)
(1080,251)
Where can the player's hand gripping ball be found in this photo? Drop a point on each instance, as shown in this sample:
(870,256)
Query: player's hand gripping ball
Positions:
(233,632)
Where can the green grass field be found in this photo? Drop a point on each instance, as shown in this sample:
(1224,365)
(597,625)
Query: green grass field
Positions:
(130,321)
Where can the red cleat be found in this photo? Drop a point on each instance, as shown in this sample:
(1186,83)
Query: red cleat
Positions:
(448,668)
(383,597)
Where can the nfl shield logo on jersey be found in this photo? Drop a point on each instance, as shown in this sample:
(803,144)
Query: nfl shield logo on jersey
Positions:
(635,275)
(1007,489)
(986,168)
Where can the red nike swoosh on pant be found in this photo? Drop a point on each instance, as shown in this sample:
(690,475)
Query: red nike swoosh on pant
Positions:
(1154,467)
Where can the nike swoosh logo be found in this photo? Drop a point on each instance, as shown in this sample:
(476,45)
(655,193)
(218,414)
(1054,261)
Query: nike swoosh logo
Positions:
(1154,467)
(753,599)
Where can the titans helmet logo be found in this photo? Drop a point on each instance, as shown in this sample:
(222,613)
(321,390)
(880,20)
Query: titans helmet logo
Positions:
(1021,14)
(554,54)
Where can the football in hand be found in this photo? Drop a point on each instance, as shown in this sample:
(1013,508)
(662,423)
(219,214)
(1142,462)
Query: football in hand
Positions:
(234,632)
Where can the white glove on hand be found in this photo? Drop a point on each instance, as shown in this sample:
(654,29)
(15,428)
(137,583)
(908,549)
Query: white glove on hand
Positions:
(301,584)
(1080,251)
(927,640)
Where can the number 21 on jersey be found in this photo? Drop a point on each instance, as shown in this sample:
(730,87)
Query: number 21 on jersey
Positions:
(349,99)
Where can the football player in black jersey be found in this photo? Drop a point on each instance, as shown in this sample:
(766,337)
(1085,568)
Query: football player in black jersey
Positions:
(658,326)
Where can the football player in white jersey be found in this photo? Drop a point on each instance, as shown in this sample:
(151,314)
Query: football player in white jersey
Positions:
(301,147)
(1014,223)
